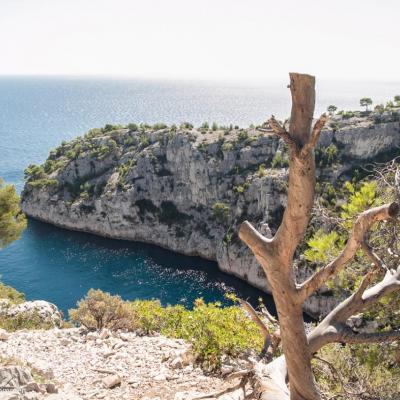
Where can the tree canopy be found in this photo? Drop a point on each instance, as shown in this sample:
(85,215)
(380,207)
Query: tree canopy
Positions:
(12,220)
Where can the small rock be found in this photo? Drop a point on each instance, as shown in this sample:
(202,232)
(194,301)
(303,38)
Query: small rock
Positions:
(4,335)
(111,381)
(51,388)
(91,336)
(104,334)
(160,377)
(32,387)
(176,363)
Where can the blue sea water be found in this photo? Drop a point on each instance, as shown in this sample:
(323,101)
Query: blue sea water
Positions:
(37,113)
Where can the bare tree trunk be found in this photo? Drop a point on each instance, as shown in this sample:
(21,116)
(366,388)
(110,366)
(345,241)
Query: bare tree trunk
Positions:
(276,255)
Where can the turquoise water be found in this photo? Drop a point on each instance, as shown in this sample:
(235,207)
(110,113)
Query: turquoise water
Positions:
(36,114)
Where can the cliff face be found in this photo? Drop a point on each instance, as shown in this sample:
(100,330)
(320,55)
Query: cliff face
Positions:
(186,189)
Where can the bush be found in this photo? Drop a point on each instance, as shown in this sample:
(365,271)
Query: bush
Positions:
(213,330)
(159,126)
(243,135)
(279,161)
(31,320)
(205,126)
(43,183)
(261,172)
(133,127)
(9,293)
(221,211)
(358,371)
(100,310)
(34,172)
(186,125)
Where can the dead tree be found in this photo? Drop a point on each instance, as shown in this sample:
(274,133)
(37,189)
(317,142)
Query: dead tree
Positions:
(291,376)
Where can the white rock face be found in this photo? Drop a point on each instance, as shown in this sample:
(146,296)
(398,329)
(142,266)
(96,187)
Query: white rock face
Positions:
(47,312)
(165,187)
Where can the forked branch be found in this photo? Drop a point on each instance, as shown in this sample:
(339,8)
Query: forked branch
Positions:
(355,240)
(315,134)
(279,130)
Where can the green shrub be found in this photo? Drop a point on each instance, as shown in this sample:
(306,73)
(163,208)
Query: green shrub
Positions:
(243,135)
(279,161)
(133,127)
(43,183)
(356,372)
(227,146)
(159,126)
(241,188)
(101,310)
(34,172)
(144,140)
(261,172)
(213,331)
(148,315)
(214,126)
(204,126)
(9,293)
(221,211)
(186,125)
(27,320)
(326,156)
(110,128)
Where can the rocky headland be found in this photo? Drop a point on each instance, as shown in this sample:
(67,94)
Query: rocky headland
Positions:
(188,189)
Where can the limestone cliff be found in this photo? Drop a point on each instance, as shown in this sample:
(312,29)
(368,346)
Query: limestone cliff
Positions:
(188,189)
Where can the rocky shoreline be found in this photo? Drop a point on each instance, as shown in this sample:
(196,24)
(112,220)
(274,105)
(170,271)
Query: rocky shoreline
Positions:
(188,189)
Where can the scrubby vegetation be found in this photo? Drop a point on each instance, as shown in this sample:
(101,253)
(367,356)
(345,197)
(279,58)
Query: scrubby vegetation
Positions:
(12,220)
(213,330)
(11,294)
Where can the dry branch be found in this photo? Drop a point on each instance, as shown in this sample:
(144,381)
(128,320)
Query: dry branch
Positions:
(316,132)
(355,240)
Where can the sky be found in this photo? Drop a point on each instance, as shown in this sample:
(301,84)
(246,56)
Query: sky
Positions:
(201,39)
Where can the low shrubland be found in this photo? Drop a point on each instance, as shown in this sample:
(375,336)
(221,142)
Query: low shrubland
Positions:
(213,330)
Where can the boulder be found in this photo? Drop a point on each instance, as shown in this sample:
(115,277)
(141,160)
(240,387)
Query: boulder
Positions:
(15,376)
(46,311)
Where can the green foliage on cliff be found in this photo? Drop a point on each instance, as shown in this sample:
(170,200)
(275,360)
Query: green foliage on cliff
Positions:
(280,160)
(221,211)
(326,156)
(25,320)
(12,220)
(213,330)
(11,294)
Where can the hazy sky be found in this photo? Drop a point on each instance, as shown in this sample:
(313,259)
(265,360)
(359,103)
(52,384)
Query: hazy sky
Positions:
(240,39)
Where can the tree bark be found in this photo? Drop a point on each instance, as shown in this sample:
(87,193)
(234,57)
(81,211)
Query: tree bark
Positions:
(276,255)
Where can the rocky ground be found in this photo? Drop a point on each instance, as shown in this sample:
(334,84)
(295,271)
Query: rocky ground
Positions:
(73,364)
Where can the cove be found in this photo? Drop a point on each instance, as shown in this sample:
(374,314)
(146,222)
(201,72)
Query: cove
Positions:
(60,266)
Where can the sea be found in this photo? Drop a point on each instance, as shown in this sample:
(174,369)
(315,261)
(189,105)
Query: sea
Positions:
(37,113)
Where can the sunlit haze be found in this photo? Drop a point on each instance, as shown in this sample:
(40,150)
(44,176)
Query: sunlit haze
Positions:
(207,39)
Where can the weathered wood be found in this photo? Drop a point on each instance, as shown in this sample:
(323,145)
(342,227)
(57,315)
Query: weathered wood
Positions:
(276,255)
